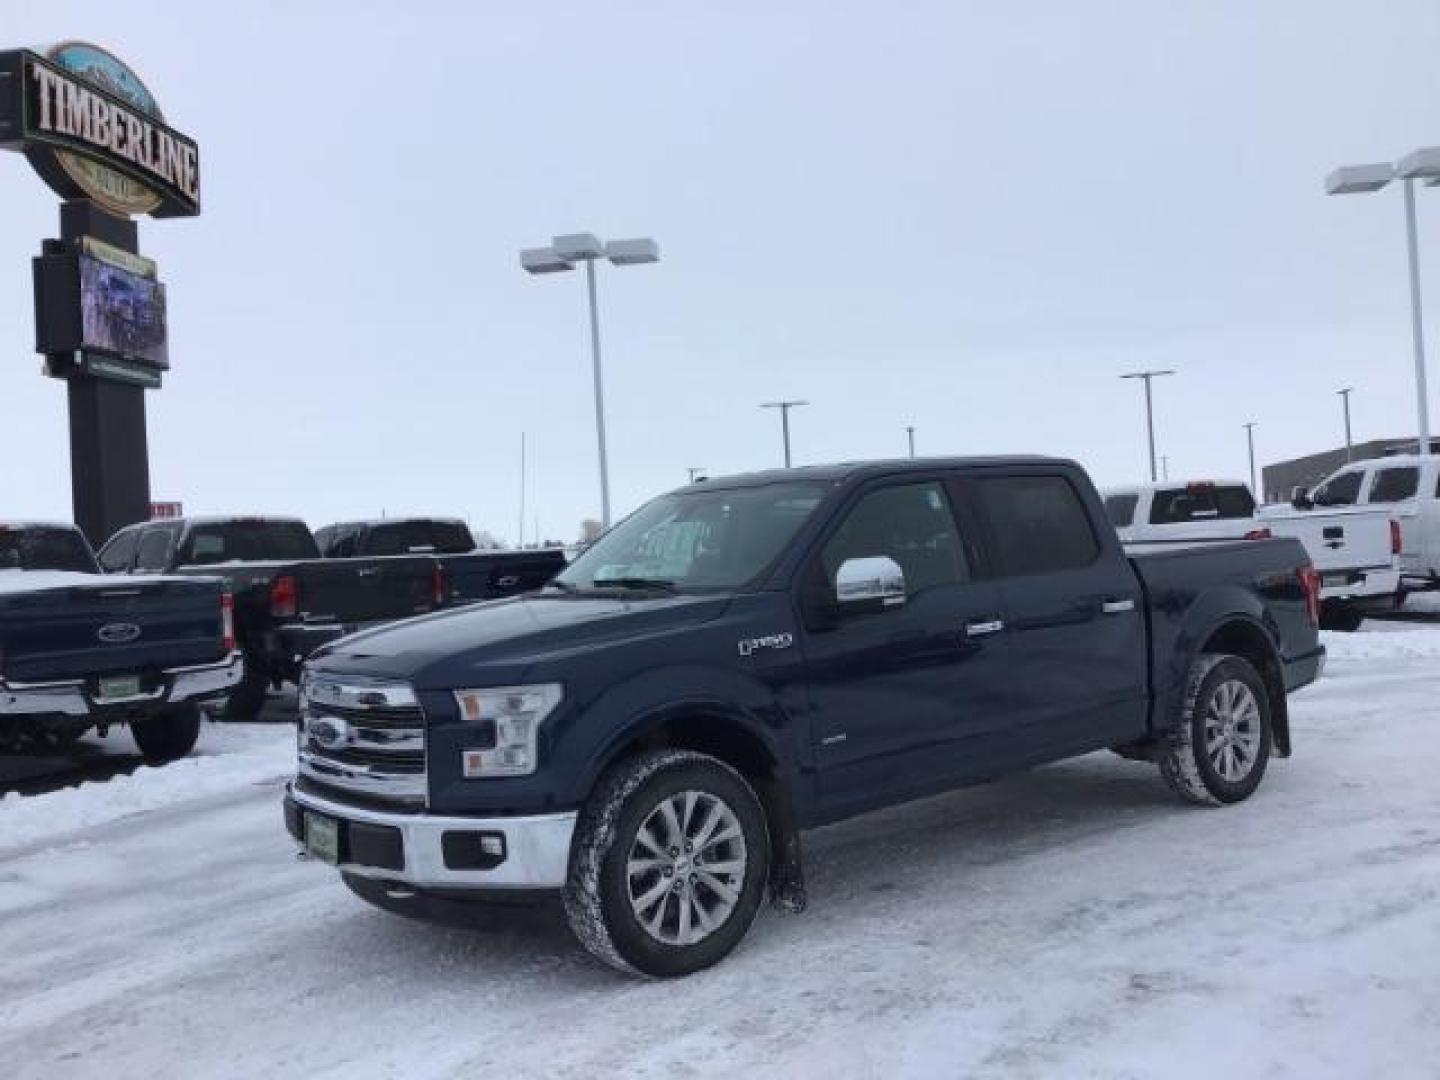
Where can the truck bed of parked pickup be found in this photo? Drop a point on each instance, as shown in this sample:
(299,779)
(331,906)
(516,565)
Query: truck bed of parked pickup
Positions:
(745,658)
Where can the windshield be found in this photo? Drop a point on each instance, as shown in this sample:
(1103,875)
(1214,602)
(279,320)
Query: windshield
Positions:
(697,539)
(45,549)
(247,541)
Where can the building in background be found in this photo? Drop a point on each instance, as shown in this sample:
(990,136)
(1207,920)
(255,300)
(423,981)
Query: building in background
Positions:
(1282,478)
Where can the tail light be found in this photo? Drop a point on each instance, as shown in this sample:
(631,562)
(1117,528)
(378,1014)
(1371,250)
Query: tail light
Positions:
(1310,586)
(227,622)
(284,597)
(437,586)
(1397,538)
(1262,533)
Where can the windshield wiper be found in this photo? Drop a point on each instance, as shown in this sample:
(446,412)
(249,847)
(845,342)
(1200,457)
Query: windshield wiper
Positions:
(659,584)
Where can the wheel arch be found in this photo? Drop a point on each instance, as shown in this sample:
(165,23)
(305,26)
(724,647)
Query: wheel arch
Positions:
(1243,637)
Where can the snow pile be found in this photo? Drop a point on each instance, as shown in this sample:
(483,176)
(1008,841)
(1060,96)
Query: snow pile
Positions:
(269,756)
(1391,643)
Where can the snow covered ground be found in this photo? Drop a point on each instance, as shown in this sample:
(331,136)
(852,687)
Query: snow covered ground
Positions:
(1071,922)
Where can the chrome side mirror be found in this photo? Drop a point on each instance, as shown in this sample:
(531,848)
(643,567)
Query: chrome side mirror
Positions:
(874,580)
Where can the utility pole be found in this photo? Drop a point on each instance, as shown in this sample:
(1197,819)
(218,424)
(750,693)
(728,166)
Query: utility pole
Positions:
(1250,440)
(784,407)
(1345,400)
(910,431)
(520,533)
(1149,410)
(1164,467)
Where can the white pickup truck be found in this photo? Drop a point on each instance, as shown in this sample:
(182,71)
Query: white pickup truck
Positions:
(1402,493)
(1356,552)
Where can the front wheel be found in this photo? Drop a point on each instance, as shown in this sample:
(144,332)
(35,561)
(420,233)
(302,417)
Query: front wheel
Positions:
(169,735)
(1221,743)
(668,865)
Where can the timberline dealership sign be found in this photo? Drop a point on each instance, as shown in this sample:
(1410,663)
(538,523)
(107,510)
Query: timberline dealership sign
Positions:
(92,130)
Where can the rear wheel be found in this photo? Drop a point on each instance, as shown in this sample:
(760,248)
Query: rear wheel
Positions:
(668,865)
(168,735)
(1221,743)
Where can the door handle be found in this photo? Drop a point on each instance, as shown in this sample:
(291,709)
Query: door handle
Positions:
(1117,607)
(984,628)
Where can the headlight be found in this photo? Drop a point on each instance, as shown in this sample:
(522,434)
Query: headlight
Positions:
(516,712)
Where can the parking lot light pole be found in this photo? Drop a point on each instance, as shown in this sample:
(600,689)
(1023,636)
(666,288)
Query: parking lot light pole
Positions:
(910,432)
(1149,410)
(1250,441)
(563,254)
(784,407)
(1423,164)
(1345,405)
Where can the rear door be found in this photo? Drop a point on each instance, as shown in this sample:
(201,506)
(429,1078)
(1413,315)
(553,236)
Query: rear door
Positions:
(1074,613)
(896,691)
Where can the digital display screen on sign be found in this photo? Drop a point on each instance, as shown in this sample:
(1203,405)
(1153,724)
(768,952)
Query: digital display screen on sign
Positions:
(122,312)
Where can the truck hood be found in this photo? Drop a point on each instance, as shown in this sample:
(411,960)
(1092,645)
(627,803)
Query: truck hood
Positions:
(476,645)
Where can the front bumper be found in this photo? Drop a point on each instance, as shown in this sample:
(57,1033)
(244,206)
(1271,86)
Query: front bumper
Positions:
(76,698)
(433,852)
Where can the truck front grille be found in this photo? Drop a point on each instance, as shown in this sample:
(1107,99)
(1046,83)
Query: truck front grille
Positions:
(363,737)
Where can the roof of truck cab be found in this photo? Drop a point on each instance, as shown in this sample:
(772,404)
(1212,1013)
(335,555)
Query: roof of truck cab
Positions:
(858,470)
(1166,485)
(370,523)
(225,519)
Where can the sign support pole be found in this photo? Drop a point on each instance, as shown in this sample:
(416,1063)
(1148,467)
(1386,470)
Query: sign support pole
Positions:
(109,452)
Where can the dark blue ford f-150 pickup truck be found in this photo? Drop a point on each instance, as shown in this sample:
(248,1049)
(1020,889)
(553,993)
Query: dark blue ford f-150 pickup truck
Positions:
(746,658)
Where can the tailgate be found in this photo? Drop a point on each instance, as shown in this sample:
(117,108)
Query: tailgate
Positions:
(109,628)
(366,590)
(490,575)
(1340,541)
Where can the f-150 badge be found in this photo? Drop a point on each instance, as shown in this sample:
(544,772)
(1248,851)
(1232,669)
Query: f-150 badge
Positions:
(769,641)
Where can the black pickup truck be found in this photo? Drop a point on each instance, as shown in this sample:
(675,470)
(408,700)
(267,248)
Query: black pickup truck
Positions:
(79,650)
(288,600)
(470,574)
(746,658)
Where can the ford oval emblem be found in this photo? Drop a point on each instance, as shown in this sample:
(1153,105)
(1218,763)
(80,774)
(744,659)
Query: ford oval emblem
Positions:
(118,633)
(329,732)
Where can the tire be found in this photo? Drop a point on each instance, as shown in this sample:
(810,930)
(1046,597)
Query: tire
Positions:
(1345,618)
(248,698)
(1225,706)
(168,736)
(615,912)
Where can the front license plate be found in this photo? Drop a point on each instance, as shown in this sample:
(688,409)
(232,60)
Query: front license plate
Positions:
(121,686)
(322,838)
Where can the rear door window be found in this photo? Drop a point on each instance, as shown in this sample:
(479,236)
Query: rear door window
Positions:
(1342,490)
(1038,524)
(1395,485)
(154,550)
(116,555)
(1120,509)
(1201,502)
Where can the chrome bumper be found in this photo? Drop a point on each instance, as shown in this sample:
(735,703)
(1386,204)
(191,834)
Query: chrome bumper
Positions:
(537,848)
(71,698)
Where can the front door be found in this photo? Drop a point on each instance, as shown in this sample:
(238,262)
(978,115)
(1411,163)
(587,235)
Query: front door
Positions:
(893,690)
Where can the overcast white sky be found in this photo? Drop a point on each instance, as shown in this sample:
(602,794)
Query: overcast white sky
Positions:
(966,217)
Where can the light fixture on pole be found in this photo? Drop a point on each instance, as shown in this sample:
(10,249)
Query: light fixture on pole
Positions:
(910,431)
(563,254)
(1250,441)
(1149,409)
(1423,164)
(784,407)
(1345,400)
